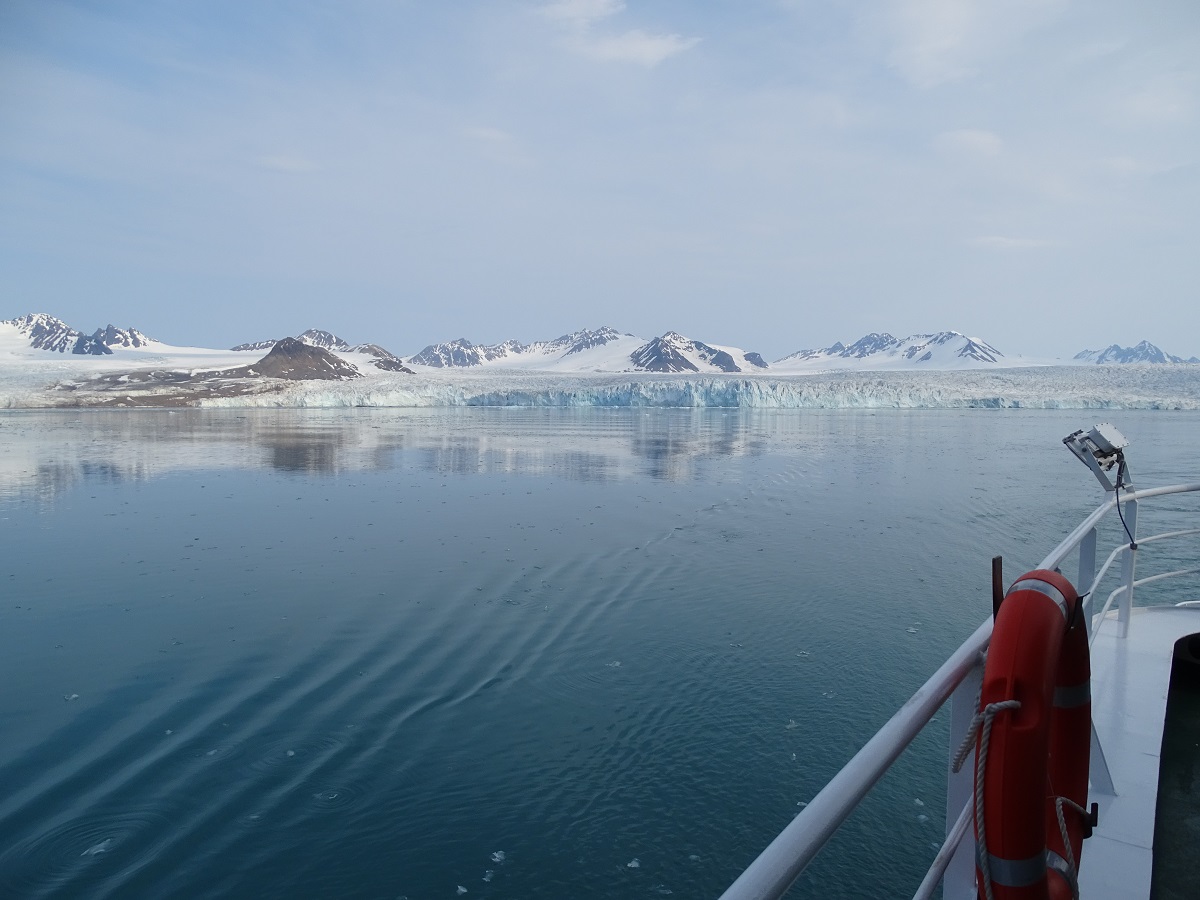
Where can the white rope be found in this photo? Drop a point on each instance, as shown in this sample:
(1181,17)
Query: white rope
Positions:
(1059,802)
(982,718)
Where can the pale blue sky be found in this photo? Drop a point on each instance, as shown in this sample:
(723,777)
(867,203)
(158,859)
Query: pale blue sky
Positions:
(773,175)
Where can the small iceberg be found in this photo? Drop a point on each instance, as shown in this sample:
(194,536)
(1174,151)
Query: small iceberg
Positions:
(96,849)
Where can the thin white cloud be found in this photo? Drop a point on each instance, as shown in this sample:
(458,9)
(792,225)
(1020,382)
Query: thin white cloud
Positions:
(970,142)
(936,41)
(636,46)
(578,18)
(291,165)
(1166,102)
(582,12)
(488,135)
(1008,244)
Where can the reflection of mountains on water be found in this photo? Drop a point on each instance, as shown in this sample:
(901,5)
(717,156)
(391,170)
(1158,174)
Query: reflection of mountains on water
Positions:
(49,452)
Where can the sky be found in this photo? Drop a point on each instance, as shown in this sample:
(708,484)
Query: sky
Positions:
(773,175)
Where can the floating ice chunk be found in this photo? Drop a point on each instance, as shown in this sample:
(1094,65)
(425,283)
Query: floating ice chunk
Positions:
(70,697)
(803,653)
(96,849)
(792,723)
(615,664)
(911,630)
(461,890)
(291,753)
(917,801)
(634,863)
(922,818)
(487,876)
(663,889)
(498,856)
(168,731)
(694,857)
(802,803)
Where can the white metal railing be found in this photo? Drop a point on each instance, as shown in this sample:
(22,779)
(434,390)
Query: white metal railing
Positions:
(778,866)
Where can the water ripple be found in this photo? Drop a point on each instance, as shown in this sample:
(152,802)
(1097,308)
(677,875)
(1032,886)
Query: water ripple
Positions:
(86,849)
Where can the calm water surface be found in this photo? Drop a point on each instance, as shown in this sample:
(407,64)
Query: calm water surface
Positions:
(520,654)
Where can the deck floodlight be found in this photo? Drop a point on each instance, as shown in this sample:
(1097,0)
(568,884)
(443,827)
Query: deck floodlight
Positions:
(1100,448)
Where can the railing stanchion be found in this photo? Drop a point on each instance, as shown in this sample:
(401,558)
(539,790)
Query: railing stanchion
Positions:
(1126,608)
(1087,572)
(959,880)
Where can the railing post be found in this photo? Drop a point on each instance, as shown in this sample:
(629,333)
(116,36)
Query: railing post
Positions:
(1087,571)
(959,882)
(1127,569)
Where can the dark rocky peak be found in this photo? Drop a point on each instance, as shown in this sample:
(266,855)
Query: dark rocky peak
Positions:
(294,360)
(453,353)
(663,354)
(129,338)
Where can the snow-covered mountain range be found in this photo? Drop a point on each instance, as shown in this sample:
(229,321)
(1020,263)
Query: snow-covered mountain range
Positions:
(45,332)
(602,350)
(40,366)
(1144,352)
(941,350)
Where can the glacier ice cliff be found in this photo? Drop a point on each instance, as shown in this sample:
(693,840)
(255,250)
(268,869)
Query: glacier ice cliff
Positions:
(1065,387)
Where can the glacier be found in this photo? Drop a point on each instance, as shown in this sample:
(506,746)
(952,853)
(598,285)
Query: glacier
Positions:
(1058,387)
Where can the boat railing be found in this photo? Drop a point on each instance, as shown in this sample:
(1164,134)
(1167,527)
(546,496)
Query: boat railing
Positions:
(958,679)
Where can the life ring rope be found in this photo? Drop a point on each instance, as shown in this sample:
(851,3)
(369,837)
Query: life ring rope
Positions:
(982,718)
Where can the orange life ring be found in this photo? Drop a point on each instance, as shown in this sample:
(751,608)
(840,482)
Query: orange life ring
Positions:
(1037,752)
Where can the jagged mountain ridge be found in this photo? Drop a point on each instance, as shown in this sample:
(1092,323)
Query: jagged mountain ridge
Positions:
(314,337)
(604,349)
(462,353)
(942,349)
(122,337)
(674,353)
(45,332)
(1143,352)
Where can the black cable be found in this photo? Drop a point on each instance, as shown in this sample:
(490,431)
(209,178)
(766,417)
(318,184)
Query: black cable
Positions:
(1121,484)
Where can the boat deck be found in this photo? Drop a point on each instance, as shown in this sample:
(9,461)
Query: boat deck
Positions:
(1130,680)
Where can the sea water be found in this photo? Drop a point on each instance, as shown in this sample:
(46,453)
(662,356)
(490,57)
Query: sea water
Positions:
(495,653)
